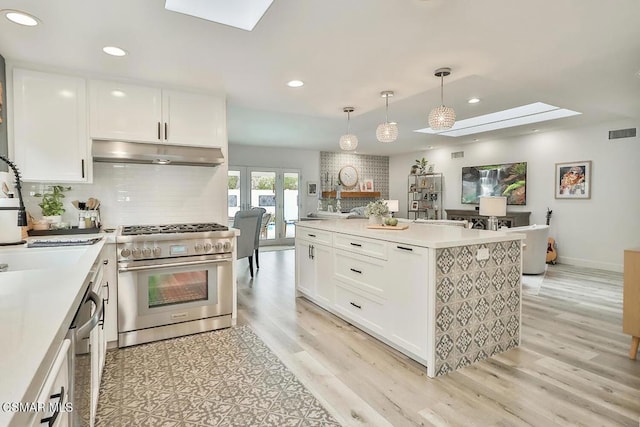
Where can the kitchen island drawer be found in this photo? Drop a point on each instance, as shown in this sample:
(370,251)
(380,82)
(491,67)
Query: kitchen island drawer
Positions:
(361,245)
(362,272)
(313,235)
(354,305)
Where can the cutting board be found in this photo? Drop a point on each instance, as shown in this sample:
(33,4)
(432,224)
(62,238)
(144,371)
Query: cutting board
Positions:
(388,227)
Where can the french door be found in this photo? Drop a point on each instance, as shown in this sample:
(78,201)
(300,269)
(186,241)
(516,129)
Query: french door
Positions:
(275,190)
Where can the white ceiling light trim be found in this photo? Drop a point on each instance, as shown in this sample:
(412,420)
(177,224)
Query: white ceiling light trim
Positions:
(295,83)
(21,18)
(473,100)
(526,114)
(114,51)
(243,14)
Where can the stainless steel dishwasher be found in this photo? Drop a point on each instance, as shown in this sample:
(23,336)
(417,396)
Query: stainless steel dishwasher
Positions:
(84,356)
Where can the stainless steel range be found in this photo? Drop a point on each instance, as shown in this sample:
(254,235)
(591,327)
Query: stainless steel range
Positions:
(173,280)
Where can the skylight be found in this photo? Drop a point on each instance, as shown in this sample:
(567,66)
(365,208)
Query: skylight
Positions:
(526,114)
(243,14)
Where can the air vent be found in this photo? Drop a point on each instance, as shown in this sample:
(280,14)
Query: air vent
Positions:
(622,133)
(457,155)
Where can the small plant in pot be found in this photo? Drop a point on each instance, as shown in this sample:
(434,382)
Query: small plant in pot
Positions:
(51,205)
(376,210)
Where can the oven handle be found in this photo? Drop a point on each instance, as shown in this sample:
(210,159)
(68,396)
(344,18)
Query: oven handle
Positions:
(173,264)
(85,330)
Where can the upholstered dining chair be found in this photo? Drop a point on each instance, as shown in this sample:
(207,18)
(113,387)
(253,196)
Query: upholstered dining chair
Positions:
(248,222)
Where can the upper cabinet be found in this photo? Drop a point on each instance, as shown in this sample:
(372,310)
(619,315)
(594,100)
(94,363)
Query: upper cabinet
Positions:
(146,114)
(50,127)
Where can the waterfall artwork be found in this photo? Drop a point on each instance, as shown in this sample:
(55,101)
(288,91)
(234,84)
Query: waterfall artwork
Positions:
(508,180)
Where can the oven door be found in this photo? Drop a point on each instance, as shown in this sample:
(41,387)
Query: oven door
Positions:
(161,292)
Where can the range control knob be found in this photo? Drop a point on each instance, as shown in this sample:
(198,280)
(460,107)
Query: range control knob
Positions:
(136,252)
(219,247)
(146,252)
(198,247)
(207,247)
(156,251)
(125,252)
(227,246)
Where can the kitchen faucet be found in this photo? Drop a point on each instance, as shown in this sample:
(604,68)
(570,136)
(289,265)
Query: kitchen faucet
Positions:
(22,212)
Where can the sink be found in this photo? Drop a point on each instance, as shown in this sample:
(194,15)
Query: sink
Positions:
(35,259)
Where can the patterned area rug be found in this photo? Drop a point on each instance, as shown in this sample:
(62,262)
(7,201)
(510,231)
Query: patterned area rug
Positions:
(222,378)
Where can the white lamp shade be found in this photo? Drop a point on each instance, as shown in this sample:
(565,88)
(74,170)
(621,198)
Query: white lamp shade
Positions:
(493,206)
(387,132)
(393,205)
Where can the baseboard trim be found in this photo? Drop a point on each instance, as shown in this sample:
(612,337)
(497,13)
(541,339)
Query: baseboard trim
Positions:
(578,262)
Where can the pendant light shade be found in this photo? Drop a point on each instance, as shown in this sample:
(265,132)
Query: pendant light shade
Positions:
(387,132)
(442,117)
(348,141)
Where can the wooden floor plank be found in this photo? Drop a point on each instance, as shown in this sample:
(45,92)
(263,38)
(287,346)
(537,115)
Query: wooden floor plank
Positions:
(571,369)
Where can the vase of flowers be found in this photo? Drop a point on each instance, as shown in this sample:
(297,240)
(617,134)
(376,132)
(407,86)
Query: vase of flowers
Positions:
(376,211)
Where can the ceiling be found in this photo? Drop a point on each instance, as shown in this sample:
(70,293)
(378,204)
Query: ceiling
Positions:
(582,55)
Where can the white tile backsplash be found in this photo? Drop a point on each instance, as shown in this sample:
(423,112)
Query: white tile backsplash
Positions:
(146,194)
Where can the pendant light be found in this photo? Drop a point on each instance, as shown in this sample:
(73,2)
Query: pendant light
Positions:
(348,141)
(441,118)
(387,132)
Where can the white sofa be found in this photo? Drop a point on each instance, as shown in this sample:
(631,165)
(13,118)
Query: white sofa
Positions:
(534,252)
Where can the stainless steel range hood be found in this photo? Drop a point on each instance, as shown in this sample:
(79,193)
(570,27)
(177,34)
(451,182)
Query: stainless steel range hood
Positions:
(160,154)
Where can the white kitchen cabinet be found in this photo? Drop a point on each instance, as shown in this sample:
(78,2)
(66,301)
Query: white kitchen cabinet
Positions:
(110,292)
(50,138)
(314,271)
(153,115)
(408,296)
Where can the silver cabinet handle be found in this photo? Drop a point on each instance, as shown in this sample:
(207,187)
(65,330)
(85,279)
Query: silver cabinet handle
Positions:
(85,330)
(124,269)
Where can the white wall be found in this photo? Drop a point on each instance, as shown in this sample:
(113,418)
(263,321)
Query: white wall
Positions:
(306,161)
(591,233)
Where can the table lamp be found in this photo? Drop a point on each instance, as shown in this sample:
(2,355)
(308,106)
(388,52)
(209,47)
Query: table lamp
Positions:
(493,207)
(393,206)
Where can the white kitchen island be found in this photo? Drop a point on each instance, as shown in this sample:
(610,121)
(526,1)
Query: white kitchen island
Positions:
(444,296)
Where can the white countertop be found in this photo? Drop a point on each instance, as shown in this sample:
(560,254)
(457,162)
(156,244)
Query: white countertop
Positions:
(425,235)
(37,307)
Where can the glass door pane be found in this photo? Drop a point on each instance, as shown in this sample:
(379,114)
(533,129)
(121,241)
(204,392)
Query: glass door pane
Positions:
(291,203)
(263,195)
(234,203)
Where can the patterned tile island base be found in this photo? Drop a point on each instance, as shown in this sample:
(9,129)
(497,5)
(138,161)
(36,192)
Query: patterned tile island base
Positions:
(477,303)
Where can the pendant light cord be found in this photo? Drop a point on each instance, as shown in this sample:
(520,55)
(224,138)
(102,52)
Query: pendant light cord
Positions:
(442,89)
(348,122)
(386,111)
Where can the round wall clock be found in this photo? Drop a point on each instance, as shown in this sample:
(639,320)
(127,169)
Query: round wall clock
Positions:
(348,176)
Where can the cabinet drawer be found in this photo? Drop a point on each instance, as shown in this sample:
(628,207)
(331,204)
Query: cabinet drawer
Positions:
(312,235)
(361,245)
(360,309)
(362,272)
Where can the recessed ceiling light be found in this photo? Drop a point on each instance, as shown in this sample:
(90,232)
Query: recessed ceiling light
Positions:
(476,139)
(295,83)
(518,116)
(114,51)
(118,93)
(430,147)
(473,100)
(21,18)
(534,130)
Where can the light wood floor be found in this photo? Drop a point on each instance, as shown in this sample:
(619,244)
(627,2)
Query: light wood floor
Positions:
(571,369)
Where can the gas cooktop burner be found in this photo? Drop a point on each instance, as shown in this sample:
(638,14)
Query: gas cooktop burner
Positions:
(132,230)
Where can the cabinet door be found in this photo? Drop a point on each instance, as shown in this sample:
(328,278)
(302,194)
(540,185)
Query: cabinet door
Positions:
(323,265)
(125,112)
(305,271)
(50,127)
(110,290)
(408,297)
(193,119)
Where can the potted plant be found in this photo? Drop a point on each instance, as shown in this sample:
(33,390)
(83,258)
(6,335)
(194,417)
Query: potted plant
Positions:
(51,205)
(376,210)
(420,168)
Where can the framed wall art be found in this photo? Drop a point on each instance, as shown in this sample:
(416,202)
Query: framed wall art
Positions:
(573,180)
(312,188)
(415,205)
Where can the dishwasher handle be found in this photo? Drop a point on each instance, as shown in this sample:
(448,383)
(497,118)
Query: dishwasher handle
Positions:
(85,330)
